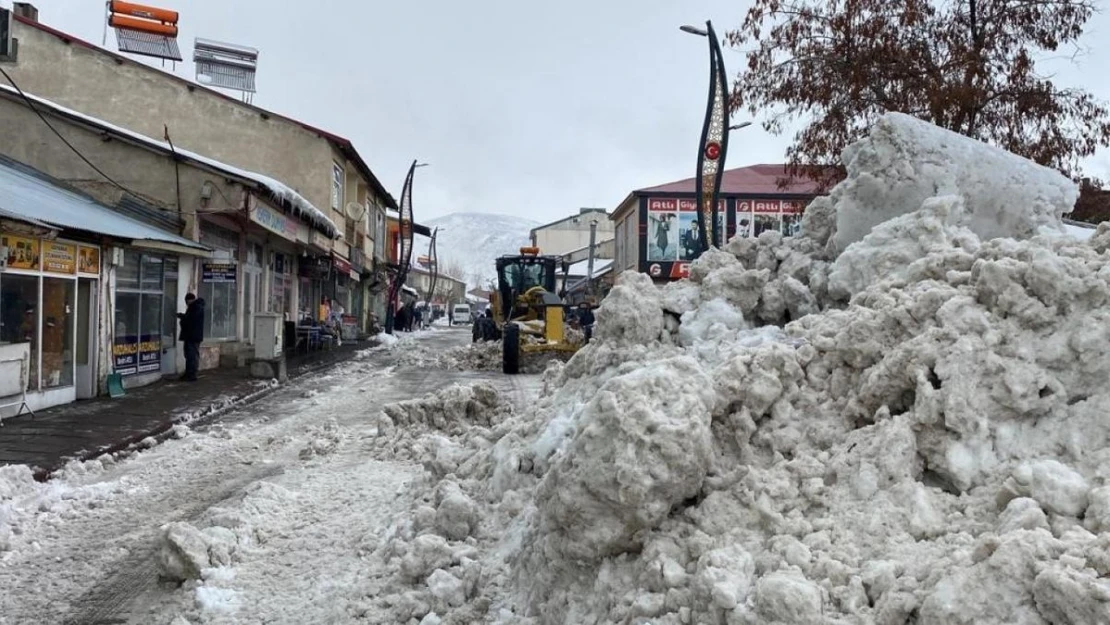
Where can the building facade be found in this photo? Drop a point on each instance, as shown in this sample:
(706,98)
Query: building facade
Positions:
(261,238)
(85,292)
(572,233)
(321,167)
(655,228)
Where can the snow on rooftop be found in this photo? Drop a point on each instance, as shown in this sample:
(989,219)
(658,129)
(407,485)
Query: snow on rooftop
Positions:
(278,189)
(581,267)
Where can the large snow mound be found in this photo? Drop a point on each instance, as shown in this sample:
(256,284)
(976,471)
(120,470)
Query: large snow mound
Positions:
(905,161)
(911,431)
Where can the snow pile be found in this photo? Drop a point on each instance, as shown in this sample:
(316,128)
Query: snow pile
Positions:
(922,441)
(481,356)
(26,504)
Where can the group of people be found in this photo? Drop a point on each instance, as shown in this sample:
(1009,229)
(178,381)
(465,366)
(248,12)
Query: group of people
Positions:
(412,317)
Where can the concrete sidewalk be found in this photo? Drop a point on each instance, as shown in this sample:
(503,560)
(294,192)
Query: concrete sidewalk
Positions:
(87,429)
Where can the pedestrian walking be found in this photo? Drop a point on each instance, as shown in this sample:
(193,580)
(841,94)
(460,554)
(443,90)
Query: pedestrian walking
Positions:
(192,334)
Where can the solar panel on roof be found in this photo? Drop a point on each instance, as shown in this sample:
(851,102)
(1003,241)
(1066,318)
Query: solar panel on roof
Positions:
(225,65)
(147,44)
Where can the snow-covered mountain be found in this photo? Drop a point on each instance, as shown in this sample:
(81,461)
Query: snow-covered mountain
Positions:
(472,241)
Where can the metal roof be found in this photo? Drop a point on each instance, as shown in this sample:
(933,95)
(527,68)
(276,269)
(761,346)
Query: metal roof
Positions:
(754,179)
(6,214)
(28,195)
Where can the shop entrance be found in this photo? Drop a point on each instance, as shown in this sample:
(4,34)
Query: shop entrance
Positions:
(85,348)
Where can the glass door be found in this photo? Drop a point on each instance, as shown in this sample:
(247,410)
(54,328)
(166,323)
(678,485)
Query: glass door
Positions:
(85,349)
(170,325)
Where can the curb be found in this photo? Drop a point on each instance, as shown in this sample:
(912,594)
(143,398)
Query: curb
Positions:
(162,431)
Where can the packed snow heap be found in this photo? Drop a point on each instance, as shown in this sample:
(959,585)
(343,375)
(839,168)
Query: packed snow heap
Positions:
(898,417)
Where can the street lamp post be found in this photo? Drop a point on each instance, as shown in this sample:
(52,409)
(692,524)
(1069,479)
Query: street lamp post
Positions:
(434,266)
(714,141)
(404,257)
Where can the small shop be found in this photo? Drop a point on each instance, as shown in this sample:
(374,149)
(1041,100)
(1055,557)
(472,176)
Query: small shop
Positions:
(219,283)
(314,276)
(278,277)
(84,291)
(48,305)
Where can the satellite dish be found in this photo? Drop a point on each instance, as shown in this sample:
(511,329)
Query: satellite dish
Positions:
(355,211)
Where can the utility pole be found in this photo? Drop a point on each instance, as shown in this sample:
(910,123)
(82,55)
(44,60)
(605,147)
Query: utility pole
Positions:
(590,262)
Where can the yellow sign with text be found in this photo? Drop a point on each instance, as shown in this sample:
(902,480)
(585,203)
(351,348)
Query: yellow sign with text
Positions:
(23,253)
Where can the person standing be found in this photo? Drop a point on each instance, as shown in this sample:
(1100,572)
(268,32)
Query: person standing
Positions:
(586,320)
(192,334)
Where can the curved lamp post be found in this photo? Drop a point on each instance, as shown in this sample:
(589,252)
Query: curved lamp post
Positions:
(404,258)
(714,141)
(434,262)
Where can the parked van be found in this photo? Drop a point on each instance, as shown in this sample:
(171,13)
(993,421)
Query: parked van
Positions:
(460,315)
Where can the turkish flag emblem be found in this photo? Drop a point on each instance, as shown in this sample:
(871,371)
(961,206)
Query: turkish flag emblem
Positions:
(713,150)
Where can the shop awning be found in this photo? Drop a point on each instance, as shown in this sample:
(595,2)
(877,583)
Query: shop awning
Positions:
(29,195)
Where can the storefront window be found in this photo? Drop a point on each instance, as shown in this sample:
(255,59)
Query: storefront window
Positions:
(19,298)
(220,307)
(57,332)
(218,284)
(137,344)
(152,269)
(127,275)
(169,302)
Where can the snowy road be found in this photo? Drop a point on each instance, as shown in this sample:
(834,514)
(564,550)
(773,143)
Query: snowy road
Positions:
(295,468)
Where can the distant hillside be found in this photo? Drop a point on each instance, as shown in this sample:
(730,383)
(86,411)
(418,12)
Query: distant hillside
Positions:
(472,241)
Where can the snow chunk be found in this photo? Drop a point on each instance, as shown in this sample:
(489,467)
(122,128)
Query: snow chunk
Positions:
(1057,487)
(186,551)
(905,161)
(893,249)
(632,312)
(447,588)
(643,447)
(788,598)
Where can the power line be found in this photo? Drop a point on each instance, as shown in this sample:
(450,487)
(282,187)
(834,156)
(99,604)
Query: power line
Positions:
(31,105)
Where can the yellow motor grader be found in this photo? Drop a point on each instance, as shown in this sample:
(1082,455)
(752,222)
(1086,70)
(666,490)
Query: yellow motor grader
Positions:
(526,312)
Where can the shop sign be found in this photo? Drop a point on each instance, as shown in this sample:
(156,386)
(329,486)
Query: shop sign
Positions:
(88,259)
(150,353)
(274,222)
(342,265)
(218,272)
(136,354)
(125,354)
(23,252)
(59,257)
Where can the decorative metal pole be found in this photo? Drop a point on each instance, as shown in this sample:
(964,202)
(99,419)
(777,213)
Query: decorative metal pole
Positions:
(435,271)
(714,142)
(404,257)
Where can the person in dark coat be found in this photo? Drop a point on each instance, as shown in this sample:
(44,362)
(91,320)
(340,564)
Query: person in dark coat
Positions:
(586,320)
(192,334)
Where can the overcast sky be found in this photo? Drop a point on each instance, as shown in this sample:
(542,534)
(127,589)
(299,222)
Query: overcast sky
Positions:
(524,108)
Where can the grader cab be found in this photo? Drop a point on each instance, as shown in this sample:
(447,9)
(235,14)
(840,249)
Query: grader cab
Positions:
(527,313)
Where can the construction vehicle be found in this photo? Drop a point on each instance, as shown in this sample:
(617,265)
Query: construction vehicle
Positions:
(525,311)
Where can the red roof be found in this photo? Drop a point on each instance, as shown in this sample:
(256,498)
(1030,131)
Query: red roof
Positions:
(751,180)
(343,144)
